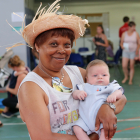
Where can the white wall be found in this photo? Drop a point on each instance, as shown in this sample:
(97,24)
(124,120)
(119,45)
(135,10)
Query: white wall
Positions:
(117,10)
(8,37)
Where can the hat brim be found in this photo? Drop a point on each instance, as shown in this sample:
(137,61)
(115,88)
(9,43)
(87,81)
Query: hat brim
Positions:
(52,21)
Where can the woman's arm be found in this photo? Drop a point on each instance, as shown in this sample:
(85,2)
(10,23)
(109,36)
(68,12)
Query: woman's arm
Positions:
(102,44)
(15,90)
(20,72)
(138,44)
(120,104)
(106,115)
(122,40)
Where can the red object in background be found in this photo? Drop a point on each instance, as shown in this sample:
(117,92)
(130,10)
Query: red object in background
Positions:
(123,29)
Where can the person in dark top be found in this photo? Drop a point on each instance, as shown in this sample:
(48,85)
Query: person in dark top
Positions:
(123,29)
(18,74)
(13,80)
(101,43)
(1,124)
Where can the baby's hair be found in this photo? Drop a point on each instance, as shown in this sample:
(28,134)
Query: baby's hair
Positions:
(94,63)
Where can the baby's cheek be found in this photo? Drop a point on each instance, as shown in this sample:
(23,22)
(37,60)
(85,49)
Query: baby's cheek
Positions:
(107,81)
(92,81)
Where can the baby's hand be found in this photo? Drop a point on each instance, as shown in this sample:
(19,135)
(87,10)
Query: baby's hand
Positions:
(111,98)
(81,95)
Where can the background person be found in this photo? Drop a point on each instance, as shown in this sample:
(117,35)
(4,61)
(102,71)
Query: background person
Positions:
(123,29)
(19,73)
(101,43)
(1,124)
(109,51)
(130,45)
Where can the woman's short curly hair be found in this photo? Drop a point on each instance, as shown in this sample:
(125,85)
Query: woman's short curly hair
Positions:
(64,32)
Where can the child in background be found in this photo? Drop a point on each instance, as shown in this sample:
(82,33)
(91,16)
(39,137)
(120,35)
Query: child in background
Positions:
(109,52)
(92,95)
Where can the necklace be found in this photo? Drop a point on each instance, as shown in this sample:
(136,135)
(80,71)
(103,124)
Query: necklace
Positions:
(54,77)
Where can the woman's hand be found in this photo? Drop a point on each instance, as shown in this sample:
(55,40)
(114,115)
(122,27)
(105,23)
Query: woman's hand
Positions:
(137,52)
(107,117)
(98,43)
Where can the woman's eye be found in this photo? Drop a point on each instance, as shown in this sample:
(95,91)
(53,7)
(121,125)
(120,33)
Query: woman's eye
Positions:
(68,45)
(54,44)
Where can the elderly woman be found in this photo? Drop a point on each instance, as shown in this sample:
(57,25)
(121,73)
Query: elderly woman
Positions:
(45,96)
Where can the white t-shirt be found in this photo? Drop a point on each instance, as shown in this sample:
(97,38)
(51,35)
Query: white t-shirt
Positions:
(63,109)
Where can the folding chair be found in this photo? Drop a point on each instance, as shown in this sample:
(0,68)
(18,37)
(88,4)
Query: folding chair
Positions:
(83,49)
(116,63)
(93,56)
(76,59)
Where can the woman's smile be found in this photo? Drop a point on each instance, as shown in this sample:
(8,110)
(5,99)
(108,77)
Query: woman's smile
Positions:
(59,58)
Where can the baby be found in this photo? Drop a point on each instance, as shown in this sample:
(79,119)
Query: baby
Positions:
(92,95)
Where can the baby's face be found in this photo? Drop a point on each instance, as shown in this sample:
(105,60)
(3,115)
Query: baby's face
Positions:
(98,75)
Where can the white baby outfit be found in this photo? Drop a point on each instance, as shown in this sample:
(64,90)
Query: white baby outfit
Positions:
(88,109)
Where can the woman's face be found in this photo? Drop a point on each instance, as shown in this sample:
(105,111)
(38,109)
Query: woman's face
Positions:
(133,28)
(16,68)
(99,30)
(11,67)
(54,52)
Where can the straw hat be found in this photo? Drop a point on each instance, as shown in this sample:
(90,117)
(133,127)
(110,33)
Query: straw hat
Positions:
(48,19)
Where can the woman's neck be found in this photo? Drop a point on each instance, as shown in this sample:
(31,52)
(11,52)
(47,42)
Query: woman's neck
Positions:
(99,35)
(48,72)
(130,31)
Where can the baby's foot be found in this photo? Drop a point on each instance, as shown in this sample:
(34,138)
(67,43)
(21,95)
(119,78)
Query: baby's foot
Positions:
(124,80)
